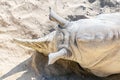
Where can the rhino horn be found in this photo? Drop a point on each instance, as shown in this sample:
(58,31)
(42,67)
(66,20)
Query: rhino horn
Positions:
(56,18)
(44,44)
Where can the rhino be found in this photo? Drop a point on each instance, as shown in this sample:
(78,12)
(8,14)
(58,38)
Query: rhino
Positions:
(94,43)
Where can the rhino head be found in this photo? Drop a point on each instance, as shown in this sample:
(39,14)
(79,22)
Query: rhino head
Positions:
(55,45)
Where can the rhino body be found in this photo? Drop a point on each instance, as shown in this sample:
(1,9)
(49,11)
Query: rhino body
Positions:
(98,43)
(93,43)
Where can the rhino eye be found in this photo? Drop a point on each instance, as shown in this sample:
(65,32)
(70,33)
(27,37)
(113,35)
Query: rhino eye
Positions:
(60,38)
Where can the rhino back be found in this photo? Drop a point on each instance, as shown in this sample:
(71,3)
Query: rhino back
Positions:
(113,17)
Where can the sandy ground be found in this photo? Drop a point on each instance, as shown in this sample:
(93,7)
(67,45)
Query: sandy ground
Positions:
(29,19)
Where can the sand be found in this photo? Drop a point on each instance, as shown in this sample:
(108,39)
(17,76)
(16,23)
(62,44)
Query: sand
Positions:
(29,19)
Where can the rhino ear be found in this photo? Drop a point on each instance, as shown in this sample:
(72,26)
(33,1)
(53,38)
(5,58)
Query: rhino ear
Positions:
(53,57)
(54,17)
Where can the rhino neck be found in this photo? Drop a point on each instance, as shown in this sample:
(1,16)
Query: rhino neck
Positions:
(76,54)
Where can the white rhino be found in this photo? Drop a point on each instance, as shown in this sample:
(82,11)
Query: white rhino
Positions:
(94,43)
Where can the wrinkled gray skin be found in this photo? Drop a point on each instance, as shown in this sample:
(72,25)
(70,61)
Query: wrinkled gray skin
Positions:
(93,43)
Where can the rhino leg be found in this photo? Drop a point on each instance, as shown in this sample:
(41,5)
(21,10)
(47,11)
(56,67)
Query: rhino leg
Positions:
(62,53)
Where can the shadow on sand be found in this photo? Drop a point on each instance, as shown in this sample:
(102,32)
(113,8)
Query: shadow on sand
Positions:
(29,73)
(24,66)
